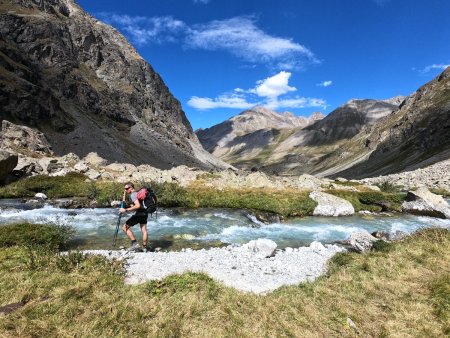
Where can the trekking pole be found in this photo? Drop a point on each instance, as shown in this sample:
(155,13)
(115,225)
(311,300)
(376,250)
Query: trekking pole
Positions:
(118,221)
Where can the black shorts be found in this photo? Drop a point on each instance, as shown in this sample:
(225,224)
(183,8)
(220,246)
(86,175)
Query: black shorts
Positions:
(137,219)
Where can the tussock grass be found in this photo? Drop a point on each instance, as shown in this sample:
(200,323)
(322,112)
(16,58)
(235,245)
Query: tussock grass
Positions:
(401,292)
(286,203)
(347,183)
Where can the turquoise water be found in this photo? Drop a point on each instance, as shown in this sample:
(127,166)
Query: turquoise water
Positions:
(175,228)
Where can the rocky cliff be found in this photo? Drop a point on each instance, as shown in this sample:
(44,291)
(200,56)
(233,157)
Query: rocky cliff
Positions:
(85,87)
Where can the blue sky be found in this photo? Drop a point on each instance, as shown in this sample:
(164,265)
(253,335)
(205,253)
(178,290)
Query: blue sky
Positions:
(220,57)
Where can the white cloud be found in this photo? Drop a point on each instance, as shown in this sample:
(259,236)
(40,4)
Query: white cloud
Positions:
(223,101)
(325,83)
(297,102)
(201,2)
(143,30)
(434,66)
(274,86)
(241,37)
(270,89)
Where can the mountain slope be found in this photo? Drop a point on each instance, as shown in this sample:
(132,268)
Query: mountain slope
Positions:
(416,135)
(347,120)
(82,84)
(245,136)
(286,147)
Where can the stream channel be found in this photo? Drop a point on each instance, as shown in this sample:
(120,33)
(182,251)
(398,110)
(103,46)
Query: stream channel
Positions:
(175,229)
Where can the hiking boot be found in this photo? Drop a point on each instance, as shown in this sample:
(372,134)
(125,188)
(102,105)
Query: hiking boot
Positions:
(134,247)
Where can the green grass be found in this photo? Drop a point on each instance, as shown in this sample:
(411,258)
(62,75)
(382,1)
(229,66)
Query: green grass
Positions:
(55,236)
(388,187)
(400,292)
(347,184)
(443,192)
(71,185)
(287,203)
(371,200)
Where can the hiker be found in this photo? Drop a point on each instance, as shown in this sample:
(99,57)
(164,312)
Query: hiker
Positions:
(139,217)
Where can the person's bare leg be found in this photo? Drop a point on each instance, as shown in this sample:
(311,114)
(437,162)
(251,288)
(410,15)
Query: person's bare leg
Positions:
(127,230)
(144,234)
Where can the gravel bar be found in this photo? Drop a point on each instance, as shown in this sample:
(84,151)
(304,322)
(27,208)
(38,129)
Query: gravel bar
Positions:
(234,266)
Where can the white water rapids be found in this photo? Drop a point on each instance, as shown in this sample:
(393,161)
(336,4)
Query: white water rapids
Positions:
(175,228)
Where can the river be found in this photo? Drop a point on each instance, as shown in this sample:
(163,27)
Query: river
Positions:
(174,229)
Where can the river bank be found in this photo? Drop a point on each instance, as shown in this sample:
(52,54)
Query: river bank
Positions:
(399,289)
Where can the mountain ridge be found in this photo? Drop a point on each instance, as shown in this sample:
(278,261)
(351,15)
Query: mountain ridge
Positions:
(362,138)
(80,82)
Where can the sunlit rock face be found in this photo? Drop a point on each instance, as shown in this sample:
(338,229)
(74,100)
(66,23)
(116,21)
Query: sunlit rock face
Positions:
(86,88)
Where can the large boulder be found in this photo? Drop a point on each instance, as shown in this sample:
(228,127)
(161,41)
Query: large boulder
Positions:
(8,161)
(262,247)
(330,205)
(424,202)
(27,166)
(361,241)
(306,181)
(94,160)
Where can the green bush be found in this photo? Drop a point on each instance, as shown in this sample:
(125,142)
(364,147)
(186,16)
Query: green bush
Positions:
(387,186)
(54,236)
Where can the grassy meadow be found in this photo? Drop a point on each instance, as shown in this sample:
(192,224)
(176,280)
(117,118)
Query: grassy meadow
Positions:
(398,290)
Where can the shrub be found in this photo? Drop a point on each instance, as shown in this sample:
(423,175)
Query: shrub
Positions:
(387,186)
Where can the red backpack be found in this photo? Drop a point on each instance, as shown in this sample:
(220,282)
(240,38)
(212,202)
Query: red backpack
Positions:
(147,199)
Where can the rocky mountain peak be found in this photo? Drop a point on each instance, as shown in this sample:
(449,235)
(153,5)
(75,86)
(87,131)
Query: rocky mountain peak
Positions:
(86,88)
(316,116)
(396,100)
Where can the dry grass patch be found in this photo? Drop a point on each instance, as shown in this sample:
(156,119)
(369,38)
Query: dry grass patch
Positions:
(400,292)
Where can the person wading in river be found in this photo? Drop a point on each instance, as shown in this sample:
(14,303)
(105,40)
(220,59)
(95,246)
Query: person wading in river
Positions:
(140,217)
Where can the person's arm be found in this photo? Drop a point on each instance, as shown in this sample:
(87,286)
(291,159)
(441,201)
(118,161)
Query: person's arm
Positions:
(136,205)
